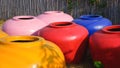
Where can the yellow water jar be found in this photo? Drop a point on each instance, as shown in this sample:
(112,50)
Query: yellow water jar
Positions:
(29,52)
(3,34)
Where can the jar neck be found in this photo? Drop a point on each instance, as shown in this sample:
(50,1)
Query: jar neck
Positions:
(62,24)
(22,41)
(25,18)
(90,17)
(112,29)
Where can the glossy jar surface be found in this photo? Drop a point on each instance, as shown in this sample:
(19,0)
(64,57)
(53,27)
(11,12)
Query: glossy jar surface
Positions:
(105,46)
(29,52)
(70,37)
(22,25)
(55,16)
(92,22)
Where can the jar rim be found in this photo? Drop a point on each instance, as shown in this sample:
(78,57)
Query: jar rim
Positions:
(27,17)
(22,41)
(53,12)
(91,17)
(62,24)
(112,29)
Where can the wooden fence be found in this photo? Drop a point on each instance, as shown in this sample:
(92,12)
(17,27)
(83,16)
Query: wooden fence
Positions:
(107,8)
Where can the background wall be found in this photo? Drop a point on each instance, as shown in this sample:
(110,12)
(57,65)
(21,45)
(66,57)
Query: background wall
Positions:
(107,8)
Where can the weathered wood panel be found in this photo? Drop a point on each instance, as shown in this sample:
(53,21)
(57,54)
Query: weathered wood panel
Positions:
(10,8)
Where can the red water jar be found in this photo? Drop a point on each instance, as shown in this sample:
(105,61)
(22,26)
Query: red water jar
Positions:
(105,46)
(70,37)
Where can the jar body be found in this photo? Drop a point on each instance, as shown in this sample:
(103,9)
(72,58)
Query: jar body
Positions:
(23,25)
(105,46)
(30,52)
(55,16)
(70,37)
(92,22)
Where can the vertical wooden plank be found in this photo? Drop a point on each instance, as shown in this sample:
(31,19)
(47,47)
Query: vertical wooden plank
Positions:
(10,8)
